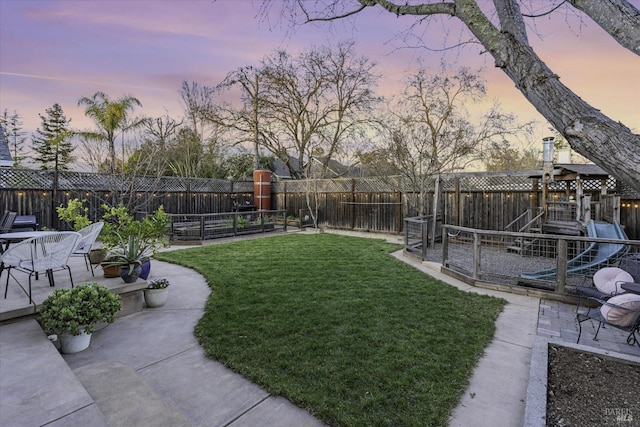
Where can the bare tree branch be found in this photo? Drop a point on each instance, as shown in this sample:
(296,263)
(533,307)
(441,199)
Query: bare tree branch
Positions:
(619,18)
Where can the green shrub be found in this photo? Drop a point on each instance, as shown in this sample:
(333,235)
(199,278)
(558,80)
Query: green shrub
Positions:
(68,310)
(75,214)
(119,223)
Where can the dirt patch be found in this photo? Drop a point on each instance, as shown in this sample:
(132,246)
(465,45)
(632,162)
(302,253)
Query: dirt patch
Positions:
(589,390)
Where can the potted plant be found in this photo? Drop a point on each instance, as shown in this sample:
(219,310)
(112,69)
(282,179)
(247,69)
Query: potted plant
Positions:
(120,224)
(77,216)
(73,313)
(129,255)
(155,294)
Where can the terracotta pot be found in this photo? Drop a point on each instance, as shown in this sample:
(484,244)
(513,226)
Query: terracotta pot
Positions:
(111,271)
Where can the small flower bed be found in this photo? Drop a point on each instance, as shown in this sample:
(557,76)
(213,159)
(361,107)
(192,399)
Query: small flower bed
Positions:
(158,284)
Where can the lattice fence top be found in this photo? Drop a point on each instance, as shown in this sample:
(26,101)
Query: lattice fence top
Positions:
(467,182)
(25,179)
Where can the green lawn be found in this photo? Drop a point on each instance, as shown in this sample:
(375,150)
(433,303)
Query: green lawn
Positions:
(339,327)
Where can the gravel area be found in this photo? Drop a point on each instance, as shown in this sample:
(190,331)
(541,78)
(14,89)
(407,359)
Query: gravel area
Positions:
(494,259)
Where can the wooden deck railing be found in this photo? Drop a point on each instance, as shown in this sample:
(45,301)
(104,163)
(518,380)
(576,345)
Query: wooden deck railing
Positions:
(554,264)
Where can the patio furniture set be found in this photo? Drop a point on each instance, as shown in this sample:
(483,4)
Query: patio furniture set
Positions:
(614,299)
(41,252)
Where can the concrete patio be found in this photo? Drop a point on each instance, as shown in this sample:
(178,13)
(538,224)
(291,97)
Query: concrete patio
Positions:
(147,369)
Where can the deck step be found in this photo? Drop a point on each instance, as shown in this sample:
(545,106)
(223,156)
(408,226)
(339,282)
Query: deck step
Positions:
(37,386)
(125,398)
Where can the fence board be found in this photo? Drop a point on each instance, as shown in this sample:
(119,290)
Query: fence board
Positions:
(483,201)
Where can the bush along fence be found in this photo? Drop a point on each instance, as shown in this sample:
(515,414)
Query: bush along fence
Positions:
(487,201)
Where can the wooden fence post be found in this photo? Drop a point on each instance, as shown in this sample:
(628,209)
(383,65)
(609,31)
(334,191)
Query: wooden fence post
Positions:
(445,245)
(436,202)
(561,276)
(424,227)
(188,197)
(54,197)
(476,255)
(399,221)
(458,201)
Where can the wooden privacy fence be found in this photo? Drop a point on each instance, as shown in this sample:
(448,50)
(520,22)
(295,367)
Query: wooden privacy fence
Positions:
(476,200)
(487,201)
(32,192)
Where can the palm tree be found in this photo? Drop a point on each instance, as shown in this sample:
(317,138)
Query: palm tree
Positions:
(111,117)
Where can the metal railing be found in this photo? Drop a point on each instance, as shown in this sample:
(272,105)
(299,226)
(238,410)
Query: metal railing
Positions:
(556,265)
(419,233)
(198,227)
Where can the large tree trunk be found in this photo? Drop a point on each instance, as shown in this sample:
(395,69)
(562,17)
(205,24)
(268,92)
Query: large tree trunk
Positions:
(607,143)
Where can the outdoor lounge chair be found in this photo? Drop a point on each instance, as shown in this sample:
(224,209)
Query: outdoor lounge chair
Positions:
(6,223)
(606,284)
(621,311)
(89,235)
(44,254)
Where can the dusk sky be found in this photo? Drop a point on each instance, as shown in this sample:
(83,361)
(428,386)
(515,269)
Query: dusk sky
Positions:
(57,51)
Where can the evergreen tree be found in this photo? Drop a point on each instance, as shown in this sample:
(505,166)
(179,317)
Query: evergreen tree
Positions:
(51,142)
(12,125)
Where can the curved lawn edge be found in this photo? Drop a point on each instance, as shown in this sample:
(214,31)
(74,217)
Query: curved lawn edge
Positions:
(341,328)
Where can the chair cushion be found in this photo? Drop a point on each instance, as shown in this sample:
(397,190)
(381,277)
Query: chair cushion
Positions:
(606,279)
(618,316)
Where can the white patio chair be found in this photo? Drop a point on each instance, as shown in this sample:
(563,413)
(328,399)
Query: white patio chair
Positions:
(44,254)
(89,235)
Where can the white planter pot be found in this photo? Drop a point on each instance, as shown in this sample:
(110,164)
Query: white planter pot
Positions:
(155,297)
(74,343)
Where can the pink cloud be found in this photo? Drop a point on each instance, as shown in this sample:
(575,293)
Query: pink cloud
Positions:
(57,51)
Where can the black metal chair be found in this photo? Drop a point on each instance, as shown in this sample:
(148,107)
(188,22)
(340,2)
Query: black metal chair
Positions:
(605,284)
(631,264)
(613,313)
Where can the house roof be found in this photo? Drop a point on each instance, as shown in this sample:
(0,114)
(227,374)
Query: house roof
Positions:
(5,153)
(335,169)
(569,172)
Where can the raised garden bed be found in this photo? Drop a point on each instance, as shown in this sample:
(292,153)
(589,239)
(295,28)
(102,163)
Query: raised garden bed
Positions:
(195,228)
(576,385)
